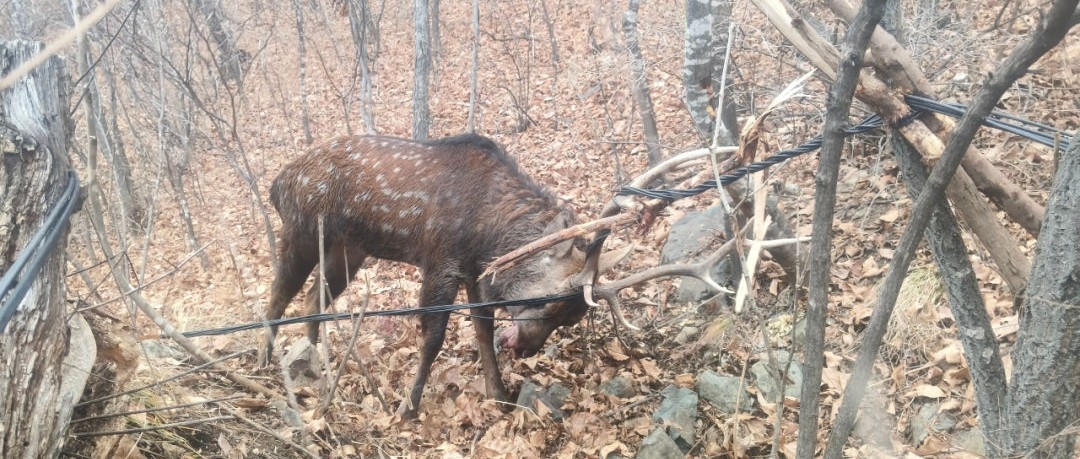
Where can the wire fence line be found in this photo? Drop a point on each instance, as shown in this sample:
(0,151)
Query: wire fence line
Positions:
(18,278)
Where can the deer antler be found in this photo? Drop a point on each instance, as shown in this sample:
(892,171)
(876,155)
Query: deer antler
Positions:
(615,215)
(701,270)
(610,217)
(653,206)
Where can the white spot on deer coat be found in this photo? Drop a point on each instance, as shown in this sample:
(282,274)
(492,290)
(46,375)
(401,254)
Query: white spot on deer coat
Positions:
(413,211)
(422,196)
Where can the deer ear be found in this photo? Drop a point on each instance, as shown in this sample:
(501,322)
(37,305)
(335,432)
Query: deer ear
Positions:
(559,223)
(610,259)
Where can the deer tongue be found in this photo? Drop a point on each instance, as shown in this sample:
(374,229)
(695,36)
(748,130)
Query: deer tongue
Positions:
(508,339)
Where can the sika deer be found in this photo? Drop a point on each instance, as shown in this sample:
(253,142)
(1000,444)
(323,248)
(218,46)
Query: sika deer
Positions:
(446,206)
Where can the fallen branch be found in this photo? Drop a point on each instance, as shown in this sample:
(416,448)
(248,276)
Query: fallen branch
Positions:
(151,428)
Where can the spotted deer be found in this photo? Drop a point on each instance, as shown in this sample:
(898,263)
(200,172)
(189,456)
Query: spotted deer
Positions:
(448,207)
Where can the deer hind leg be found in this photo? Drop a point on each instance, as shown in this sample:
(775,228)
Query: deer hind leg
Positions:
(342,262)
(298,257)
(438,289)
(484,326)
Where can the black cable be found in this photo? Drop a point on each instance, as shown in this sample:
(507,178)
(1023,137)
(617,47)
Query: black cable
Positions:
(1037,132)
(530,302)
(33,256)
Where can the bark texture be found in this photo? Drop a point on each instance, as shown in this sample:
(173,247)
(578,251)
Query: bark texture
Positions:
(1045,384)
(38,384)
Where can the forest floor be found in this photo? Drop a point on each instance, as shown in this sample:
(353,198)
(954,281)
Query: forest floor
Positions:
(581,137)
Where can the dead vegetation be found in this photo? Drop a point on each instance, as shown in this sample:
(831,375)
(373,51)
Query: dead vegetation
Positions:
(573,127)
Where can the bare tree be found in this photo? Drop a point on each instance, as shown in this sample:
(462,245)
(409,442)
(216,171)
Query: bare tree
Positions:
(421,112)
(301,55)
(1048,344)
(48,351)
(703,69)
(639,85)
(549,22)
(435,42)
(230,60)
(364,27)
(474,93)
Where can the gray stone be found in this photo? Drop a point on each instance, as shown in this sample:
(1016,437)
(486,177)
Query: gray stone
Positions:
(161,350)
(552,397)
(970,441)
(875,425)
(765,376)
(303,363)
(619,387)
(658,445)
(929,419)
(723,392)
(691,235)
(291,417)
(678,411)
(687,334)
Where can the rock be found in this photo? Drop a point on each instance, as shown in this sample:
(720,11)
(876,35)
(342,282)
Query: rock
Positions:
(765,379)
(970,441)
(678,412)
(552,397)
(875,425)
(291,417)
(659,446)
(686,335)
(928,419)
(160,350)
(619,387)
(303,363)
(723,392)
(689,236)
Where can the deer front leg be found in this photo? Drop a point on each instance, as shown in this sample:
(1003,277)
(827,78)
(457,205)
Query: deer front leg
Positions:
(484,327)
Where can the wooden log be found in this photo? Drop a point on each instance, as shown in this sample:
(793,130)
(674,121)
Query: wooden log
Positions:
(891,58)
(1003,247)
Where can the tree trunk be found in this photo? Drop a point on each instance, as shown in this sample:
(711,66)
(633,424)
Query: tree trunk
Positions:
(301,55)
(703,63)
(230,60)
(42,373)
(836,119)
(365,36)
(727,133)
(1048,347)
(421,113)
(639,86)
(474,92)
(697,64)
(943,236)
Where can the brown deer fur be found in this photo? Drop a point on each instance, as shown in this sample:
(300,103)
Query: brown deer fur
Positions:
(446,206)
